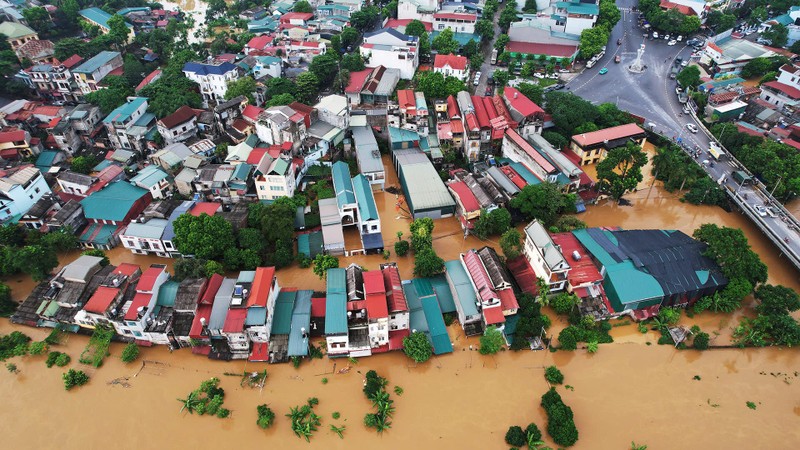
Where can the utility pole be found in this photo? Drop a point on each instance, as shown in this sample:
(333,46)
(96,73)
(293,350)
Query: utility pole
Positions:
(776,185)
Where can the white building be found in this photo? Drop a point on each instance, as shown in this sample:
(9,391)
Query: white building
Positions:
(138,311)
(154,179)
(368,156)
(178,126)
(422,10)
(20,189)
(452,66)
(145,237)
(75,183)
(377,309)
(213,78)
(267,66)
(123,123)
(274,177)
(545,257)
(391,49)
(785,91)
(333,109)
(519,150)
(369,222)
(458,21)
(264,292)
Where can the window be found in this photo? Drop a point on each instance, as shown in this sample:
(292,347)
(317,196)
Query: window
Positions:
(137,334)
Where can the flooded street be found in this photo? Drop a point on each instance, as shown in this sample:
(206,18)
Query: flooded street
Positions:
(628,391)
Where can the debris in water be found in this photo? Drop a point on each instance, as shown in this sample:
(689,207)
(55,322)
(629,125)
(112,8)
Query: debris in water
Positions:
(122,381)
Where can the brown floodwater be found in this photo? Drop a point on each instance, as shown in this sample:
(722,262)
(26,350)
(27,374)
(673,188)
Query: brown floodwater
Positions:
(628,391)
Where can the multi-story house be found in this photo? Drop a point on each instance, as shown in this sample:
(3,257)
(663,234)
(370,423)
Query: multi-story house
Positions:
(20,188)
(145,237)
(519,150)
(377,310)
(89,74)
(213,78)
(99,18)
(345,197)
(545,257)
(154,179)
(75,183)
(274,177)
(368,155)
(280,124)
(234,327)
(459,21)
(105,305)
(397,306)
(451,66)
(785,91)
(17,34)
(108,210)
(261,303)
(391,49)
(138,312)
(178,126)
(67,139)
(84,119)
(17,143)
(336,335)
(422,10)
(126,123)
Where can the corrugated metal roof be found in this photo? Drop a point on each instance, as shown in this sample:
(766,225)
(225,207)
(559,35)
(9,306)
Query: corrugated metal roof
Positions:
(443,295)
(167,293)
(301,321)
(366,200)
(367,150)
(342,184)
(437,331)
(424,187)
(222,300)
(336,313)
(256,316)
(114,202)
(282,316)
(462,289)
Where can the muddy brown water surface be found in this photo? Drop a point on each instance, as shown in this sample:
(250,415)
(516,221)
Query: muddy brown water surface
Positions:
(628,391)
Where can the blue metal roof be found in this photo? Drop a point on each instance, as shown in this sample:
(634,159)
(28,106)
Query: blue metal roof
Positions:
(208,69)
(124,111)
(149,176)
(526,174)
(167,293)
(372,241)
(336,281)
(336,313)
(463,292)
(446,302)
(342,184)
(169,231)
(437,331)
(282,316)
(366,200)
(98,16)
(45,159)
(301,320)
(96,62)
(256,316)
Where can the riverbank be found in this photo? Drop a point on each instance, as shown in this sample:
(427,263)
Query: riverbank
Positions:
(626,391)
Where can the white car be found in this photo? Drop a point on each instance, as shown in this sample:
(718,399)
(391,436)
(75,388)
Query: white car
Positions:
(685,63)
(563,71)
(672,42)
(761,210)
(692,127)
(679,38)
(655,34)
(666,37)
(678,90)
(538,75)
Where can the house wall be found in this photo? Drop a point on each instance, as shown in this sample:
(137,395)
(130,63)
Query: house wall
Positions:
(21,198)
(513,152)
(213,87)
(180,133)
(396,58)
(448,71)
(540,267)
(337,345)
(398,320)
(379,332)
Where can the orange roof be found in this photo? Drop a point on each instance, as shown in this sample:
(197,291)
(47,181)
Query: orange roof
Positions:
(406,100)
(262,284)
(101,299)
(454,61)
(211,290)
(126,269)
(148,280)
(209,208)
(493,315)
(234,322)
(607,134)
(140,300)
(252,112)
(508,300)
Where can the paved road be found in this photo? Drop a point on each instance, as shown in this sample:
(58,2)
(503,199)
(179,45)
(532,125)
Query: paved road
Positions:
(487,68)
(652,95)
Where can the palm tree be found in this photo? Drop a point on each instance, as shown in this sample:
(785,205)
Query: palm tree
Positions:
(191,402)
(338,430)
(637,447)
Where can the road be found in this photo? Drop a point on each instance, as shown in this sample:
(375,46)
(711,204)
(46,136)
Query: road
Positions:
(487,68)
(652,95)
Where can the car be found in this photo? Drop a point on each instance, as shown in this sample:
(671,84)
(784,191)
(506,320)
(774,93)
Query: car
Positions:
(603,71)
(692,127)
(558,86)
(672,42)
(489,91)
(678,60)
(478,74)
(617,59)
(685,63)
(619,41)
(655,34)
(678,90)
(761,210)
(490,80)
(666,37)
(563,71)
(686,109)
(476,81)
(538,75)
(552,76)
(692,42)
(679,38)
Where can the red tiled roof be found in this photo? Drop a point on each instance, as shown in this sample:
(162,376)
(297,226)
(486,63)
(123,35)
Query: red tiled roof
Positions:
(260,352)
(395,23)
(714,47)
(252,112)
(583,270)
(101,299)
(234,322)
(456,16)
(521,270)
(214,284)
(454,61)
(259,42)
(180,116)
(493,315)
(452,107)
(396,338)
(357,81)
(406,99)
(71,61)
(527,48)
(508,301)
(209,208)
(148,280)
(789,68)
(607,134)
(685,10)
(480,111)
(395,297)
(790,91)
(47,110)
(318,306)
(154,75)
(520,103)
(140,300)
(255,156)
(513,176)
(376,303)
(261,287)
(465,196)
(203,312)
(479,276)
(528,148)
(456,126)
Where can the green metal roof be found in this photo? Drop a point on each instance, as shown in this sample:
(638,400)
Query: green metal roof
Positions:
(45,159)
(98,16)
(98,234)
(256,315)
(279,167)
(437,331)
(589,9)
(149,176)
(525,173)
(416,316)
(303,246)
(336,313)
(366,201)
(282,316)
(301,320)
(14,30)
(464,293)
(124,111)
(114,202)
(423,287)
(630,284)
(594,248)
(342,184)
(446,302)
(167,293)
(336,281)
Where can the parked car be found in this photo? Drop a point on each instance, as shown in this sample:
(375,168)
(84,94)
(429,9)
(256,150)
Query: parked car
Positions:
(678,90)
(679,38)
(685,63)
(672,42)
(655,34)
(617,59)
(666,37)
(686,109)
(619,41)
(692,127)
(603,71)
(563,71)
(489,91)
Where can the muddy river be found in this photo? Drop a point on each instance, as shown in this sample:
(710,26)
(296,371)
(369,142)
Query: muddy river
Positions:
(628,391)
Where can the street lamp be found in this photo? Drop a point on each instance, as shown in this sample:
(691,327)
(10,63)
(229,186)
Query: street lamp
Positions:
(776,185)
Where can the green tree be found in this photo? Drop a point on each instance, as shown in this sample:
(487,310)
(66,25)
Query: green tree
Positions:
(501,42)
(36,260)
(352,62)
(471,49)
(555,139)
(564,303)
(415,28)
(427,263)
(775,300)
(508,15)
(133,70)
(592,41)
(491,341)
(729,248)
(609,14)
(70,10)
(432,84)
(83,164)
(364,19)
(445,43)
(243,86)
(778,34)
(501,77)
(516,437)
(560,423)
(114,95)
(689,76)
(700,341)
(720,21)
(324,262)
(73,378)
(38,19)
(401,248)
(389,11)
(511,243)
(484,28)
(7,306)
(553,375)
(280,100)
(756,67)
(570,111)
(417,347)
(265,416)
(325,68)
(118,30)
(130,352)
(492,223)
(205,236)
(59,241)
(170,92)
(303,7)
(533,92)
(307,87)
(278,86)
(543,202)
(621,170)
(349,37)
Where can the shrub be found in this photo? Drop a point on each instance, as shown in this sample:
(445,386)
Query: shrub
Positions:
(374,384)
(553,375)
(265,416)
(401,248)
(533,433)
(591,347)
(73,378)
(516,437)
(336,415)
(669,316)
(62,360)
(564,302)
(700,341)
(11,367)
(324,381)
(130,352)
(52,357)
(560,424)
(37,348)
(417,347)
(491,341)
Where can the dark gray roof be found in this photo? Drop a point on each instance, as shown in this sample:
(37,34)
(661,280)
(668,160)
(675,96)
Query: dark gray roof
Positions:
(182,323)
(188,293)
(75,177)
(67,210)
(495,268)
